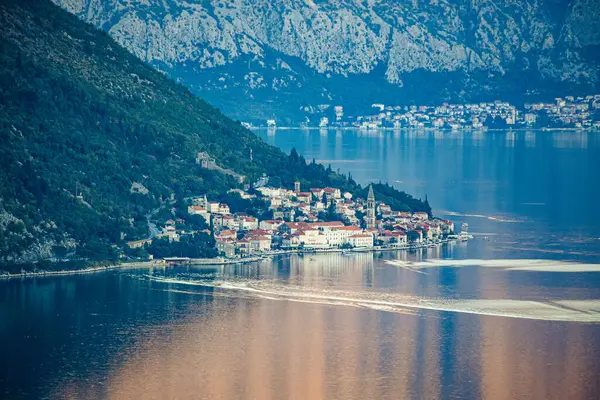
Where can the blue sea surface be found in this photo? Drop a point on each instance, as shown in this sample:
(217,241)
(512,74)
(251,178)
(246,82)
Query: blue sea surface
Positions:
(458,321)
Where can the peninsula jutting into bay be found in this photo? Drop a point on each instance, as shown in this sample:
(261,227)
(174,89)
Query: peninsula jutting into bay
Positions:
(100,150)
(276,219)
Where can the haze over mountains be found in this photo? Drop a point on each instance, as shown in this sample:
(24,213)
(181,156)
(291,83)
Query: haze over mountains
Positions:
(283,58)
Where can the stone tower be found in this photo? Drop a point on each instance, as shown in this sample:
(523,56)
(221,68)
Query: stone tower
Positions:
(297,187)
(370,220)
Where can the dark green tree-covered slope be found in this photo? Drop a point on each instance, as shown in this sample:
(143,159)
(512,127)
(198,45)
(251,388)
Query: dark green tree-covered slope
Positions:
(92,140)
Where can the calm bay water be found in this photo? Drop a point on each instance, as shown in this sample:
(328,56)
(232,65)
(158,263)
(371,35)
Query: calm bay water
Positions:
(538,190)
(350,326)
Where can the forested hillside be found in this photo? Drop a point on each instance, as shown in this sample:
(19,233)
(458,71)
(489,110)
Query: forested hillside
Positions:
(92,139)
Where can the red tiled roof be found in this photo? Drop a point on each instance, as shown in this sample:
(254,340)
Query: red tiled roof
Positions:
(329,223)
(349,228)
(297,225)
(258,232)
(260,238)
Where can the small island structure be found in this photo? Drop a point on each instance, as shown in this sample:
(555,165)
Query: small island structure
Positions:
(317,220)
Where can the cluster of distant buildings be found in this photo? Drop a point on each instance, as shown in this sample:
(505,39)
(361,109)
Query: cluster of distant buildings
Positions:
(303,220)
(581,112)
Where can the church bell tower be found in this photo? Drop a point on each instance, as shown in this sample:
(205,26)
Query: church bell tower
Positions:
(370,220)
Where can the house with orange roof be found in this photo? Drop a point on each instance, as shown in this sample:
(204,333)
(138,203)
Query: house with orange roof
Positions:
(325,225)
(270,224)
(304,197)
(226,234)
(260,243)
(291,227)
(247,223)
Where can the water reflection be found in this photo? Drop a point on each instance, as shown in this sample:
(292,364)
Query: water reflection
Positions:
(135,334)
(272,350)
(570,140)
(530,138)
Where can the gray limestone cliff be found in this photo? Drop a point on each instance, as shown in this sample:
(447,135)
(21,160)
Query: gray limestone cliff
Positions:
(270,49)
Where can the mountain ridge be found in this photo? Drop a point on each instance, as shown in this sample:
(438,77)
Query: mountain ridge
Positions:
(219,48)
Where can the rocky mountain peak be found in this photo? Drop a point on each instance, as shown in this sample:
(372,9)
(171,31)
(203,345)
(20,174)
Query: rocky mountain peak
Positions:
(238,43)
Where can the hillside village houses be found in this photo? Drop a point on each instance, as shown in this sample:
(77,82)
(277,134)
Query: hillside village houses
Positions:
(358,223)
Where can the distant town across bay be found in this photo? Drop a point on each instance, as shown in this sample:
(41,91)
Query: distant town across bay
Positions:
(582,112)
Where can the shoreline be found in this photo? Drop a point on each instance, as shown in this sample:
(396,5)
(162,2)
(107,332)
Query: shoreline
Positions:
(217,261)
(34,274)
(423,129)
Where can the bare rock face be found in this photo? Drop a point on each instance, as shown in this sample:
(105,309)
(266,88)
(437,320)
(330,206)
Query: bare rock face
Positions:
(549,38)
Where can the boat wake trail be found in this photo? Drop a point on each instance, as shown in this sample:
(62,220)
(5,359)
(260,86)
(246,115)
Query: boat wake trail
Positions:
(506,264)
(558,310)
(492,218)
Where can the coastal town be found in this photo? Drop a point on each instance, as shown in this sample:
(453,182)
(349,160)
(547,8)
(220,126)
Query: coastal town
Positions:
(315,219)
(570,112)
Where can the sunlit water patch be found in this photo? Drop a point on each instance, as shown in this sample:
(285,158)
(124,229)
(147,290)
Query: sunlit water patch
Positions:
(559,310)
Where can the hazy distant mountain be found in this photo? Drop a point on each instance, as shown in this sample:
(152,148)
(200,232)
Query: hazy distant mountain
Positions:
(266,58)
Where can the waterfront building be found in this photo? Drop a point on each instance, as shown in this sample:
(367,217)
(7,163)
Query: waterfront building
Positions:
(361,240)
(260,243)
(244,246)
(337,236)
(226,248)
(312,239)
